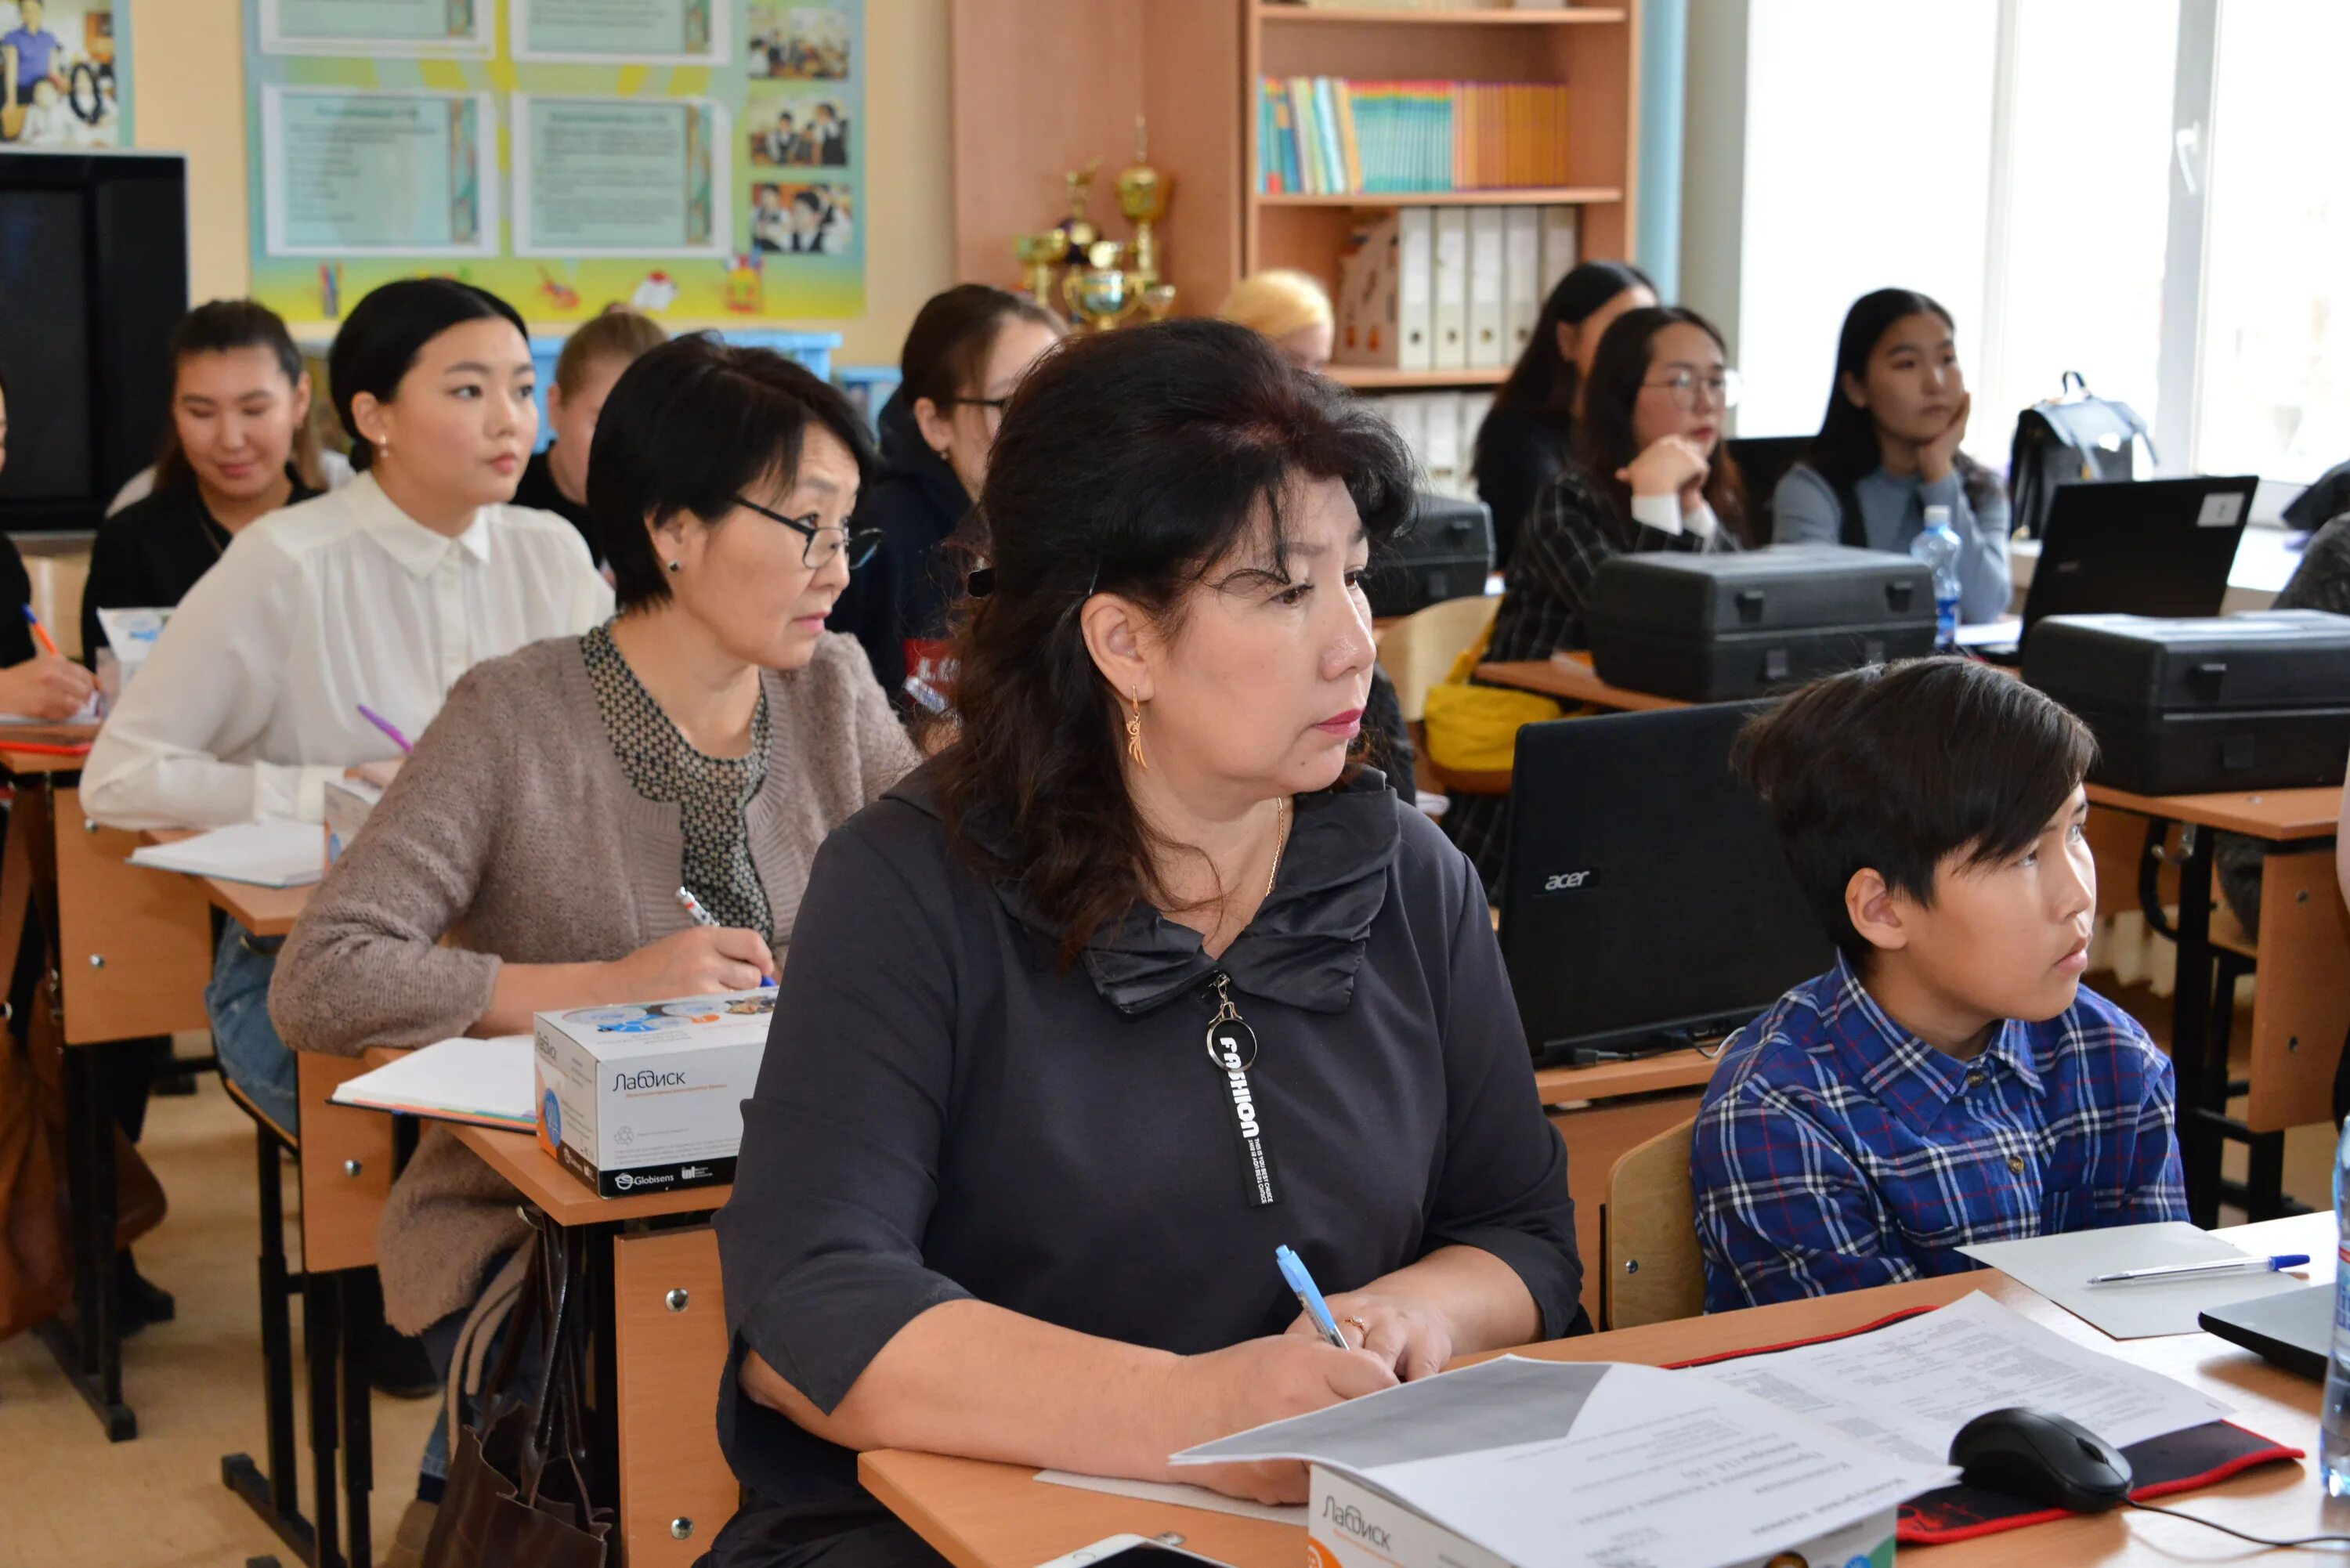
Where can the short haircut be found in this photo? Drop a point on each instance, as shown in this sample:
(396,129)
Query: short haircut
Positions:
(688,428)
(1278,302)
(384,333)
(1897,767)
(619,335)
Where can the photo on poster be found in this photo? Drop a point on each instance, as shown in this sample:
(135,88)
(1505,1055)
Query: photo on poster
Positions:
(379,173)
(800,43)
(453,29)
(619,177)
(62,83)
(622,32)
(802,220)
(798,129)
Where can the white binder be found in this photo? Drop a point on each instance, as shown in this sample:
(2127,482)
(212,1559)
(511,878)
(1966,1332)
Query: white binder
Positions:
(1487,346)
(1451,271)
(1522,279)
(1415,288)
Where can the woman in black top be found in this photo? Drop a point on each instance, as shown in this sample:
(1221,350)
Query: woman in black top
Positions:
(556,478)
(238,446)
(1530,429)
(1138,980)
(1649,474)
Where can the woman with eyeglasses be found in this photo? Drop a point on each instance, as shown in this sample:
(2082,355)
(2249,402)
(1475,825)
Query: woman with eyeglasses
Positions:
(705,740)
(966,351)
(1888,448)
(1649,474)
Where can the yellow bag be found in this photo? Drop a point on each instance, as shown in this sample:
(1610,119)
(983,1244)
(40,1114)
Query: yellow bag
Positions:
(1475,729)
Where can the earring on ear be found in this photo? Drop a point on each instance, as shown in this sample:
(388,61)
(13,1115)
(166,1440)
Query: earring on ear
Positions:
(1134,734)
(676,566)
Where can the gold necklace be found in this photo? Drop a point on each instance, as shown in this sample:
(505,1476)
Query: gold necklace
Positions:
(1280,808)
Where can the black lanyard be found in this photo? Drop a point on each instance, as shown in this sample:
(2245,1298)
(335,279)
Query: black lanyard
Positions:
(1231,1047)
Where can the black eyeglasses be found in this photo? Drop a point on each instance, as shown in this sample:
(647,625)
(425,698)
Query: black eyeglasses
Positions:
(823,544)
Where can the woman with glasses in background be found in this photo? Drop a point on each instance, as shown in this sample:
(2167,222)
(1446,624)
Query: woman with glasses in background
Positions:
(966,351)
(1649,473)
(1888,448)
(702,741)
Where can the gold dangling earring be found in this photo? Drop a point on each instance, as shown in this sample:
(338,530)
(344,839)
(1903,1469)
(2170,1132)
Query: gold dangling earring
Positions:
(1134,735)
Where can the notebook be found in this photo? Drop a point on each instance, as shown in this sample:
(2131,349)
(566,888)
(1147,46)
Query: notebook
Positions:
(263,854)
(484,1082)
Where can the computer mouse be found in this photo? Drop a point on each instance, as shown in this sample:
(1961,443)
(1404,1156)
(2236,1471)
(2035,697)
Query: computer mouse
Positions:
(2042,1458)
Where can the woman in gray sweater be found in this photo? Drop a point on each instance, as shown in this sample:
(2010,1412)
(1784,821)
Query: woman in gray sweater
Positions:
(1888,448)
(707,738)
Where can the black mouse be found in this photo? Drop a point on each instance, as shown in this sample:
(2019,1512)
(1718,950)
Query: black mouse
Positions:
(2041,1458)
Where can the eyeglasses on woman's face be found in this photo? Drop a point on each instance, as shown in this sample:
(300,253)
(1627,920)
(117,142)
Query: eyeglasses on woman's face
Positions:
(824,543)
(1691,389)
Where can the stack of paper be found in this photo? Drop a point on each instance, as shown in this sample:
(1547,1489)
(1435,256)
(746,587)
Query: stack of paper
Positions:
(484,1082)
(265,854)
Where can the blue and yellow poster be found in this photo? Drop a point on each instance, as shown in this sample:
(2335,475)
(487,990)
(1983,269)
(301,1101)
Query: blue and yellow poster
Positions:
(702,159)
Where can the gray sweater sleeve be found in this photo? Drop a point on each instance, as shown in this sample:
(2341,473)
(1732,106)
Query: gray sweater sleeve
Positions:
(1985,585)
(1804,509)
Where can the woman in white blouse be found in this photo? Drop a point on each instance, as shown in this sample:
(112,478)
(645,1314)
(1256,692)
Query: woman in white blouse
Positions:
(382,593)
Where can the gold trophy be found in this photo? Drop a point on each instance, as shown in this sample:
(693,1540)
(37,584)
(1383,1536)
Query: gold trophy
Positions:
(1100,295)
(1142,193)
(1079,228)
(1040,257)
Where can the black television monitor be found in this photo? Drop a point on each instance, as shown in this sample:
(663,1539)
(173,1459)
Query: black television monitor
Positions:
(93,277)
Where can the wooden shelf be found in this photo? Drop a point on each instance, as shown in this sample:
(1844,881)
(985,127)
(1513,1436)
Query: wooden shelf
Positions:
(1479,16)
(1507,196)
(1378,379)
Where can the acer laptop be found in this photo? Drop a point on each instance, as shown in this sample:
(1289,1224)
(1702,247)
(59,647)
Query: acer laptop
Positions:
(2151,546)
(1645,904)
(2292,1328)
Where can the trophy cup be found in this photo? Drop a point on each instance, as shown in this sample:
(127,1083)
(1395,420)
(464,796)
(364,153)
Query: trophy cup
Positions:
(1142,193)
(1040,257)
(1079,228)
(1100,295)
(1158,299)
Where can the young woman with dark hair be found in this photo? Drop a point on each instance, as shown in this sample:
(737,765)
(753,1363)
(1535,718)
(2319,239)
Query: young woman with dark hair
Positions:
(1529,434)
(948,1229)
(1649,474)
(381,593)
(1888,448)
(238,446)
(708,738)
(966,352)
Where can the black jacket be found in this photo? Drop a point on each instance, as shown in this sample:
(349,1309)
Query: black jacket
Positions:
(902,595)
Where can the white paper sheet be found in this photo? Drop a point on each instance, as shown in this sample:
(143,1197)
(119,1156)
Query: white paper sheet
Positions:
(1590,1465)
(485,1082)
(265,854)
(2059,1267)
(1907,1390)
(2006,629)
(1179,1496)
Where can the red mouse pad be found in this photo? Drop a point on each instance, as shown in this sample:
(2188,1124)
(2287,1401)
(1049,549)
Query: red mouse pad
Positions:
(2176,1463)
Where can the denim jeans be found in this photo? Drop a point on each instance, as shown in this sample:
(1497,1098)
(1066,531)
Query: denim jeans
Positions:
(250,1053)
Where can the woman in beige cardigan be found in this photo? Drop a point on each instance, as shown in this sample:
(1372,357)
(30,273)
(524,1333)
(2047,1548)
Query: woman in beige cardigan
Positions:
(708,738)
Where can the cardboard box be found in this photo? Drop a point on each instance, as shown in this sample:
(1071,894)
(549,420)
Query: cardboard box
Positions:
(1350,1525)
(647,1097)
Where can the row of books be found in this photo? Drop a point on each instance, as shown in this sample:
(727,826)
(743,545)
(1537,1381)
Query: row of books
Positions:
(1441,428)
(1326,136)
(1450,288)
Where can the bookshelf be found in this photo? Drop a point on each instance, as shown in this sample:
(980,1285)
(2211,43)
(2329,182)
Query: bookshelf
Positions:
(1041,86)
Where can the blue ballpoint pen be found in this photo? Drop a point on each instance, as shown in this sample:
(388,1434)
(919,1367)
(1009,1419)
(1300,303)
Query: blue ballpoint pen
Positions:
(2195,1271)
(1309,1296)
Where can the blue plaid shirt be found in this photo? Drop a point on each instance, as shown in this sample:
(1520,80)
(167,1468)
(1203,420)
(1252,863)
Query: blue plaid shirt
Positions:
(1835,1150)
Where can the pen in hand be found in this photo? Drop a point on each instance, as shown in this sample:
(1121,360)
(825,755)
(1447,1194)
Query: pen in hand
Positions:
(381,722)
(1309,1296)
(701,917)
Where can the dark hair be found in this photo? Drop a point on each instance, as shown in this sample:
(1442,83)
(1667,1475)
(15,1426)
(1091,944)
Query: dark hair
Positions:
(223,327)
(1847,449)
(1604,441)
(1542,382)
(690,426)
(616,333)
(1129,463)
(385,331)
(947,348)
(1897,767)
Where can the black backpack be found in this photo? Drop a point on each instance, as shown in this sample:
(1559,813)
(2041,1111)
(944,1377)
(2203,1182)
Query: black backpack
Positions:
(2071,439)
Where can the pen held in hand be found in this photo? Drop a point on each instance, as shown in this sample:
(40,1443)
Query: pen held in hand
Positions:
(2217,1267)
(1309,1296)
(386,725)
(41,631)
(701,917)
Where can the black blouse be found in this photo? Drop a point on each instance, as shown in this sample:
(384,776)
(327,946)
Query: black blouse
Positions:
(538,489)
(944,1113)
(149,554)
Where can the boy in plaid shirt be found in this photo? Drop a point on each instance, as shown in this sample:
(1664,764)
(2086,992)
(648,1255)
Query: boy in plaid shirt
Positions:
(1949,1081)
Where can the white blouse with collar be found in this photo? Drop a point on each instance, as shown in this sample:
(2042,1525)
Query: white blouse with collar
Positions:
(249,701)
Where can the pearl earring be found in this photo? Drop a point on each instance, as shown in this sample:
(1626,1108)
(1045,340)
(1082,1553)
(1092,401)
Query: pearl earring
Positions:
(675,565)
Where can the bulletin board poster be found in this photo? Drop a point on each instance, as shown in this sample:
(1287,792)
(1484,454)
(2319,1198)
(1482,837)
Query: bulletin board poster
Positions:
(65,74)
(700,160)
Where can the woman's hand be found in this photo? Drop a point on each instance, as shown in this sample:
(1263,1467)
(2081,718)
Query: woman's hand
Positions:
(1250,1384)
(45,687)
(1937,456)
(1673,465)
(1413,1340)
(694,963)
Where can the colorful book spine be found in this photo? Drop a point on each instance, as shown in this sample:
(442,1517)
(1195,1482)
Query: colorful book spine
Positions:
(1328,135)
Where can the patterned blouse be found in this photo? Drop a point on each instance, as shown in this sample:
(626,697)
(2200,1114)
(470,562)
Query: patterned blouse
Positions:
(712,793)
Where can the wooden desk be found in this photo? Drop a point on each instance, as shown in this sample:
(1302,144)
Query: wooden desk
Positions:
(983,1515)
(264,911)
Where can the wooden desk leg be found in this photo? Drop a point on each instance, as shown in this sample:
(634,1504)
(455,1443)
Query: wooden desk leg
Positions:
(2202,1085)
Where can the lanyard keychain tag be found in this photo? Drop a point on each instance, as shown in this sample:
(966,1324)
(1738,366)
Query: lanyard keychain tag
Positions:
(1231,1046)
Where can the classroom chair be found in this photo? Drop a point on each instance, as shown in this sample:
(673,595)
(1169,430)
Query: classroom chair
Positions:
(1651,1269)
(1418,651)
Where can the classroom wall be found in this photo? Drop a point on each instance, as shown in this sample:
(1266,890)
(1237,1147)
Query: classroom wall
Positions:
(1714,165)
(188,59)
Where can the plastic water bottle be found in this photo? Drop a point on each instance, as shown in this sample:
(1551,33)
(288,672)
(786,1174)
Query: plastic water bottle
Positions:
(2334,1416)
(1937,544)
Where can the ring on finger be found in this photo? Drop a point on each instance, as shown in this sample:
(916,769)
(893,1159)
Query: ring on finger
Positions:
(1359,1323)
